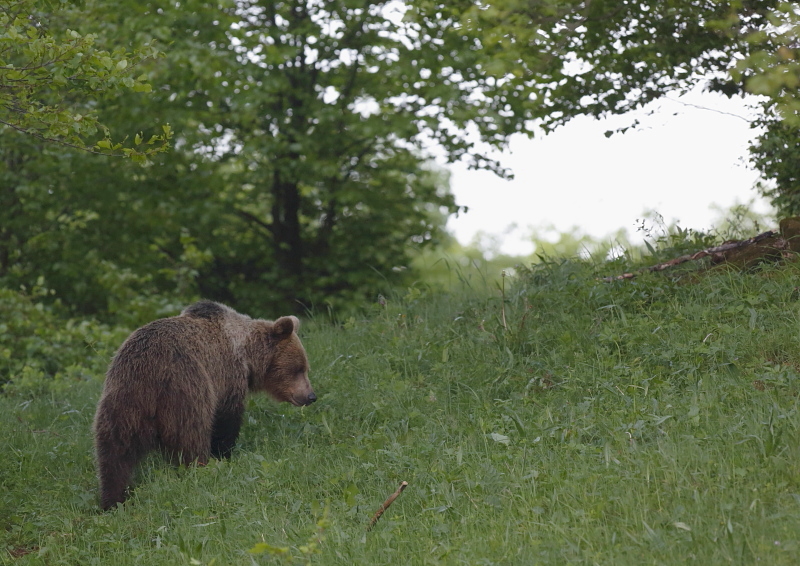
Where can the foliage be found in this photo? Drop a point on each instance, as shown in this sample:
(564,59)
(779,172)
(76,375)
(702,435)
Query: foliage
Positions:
(300,172)
(605,57)
(742,221)
(101,252)
(604,423)
(775,153)
(772,67)
(773,70)
(50,79)
(305,551)
(482,262)
(40,350)
(575,243)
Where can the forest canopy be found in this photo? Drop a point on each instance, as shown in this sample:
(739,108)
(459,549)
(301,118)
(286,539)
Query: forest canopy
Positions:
(300,174)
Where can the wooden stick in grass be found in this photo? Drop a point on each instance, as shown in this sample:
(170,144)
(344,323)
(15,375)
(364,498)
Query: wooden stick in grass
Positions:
(386,504)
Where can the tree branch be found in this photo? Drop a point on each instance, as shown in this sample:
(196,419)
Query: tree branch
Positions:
(252,219)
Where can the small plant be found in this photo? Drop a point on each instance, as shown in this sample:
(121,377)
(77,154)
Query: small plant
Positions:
(304,552)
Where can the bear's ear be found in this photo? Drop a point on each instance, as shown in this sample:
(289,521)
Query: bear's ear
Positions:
(284,326)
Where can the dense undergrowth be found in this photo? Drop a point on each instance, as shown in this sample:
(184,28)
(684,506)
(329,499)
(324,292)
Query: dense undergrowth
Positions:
(556,419)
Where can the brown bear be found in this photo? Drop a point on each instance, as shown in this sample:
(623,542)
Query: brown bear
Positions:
(178,384)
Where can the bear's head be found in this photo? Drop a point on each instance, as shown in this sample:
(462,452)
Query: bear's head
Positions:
(280,362)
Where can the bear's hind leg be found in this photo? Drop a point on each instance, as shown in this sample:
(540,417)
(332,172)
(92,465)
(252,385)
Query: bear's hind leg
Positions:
(184,429)
(115,471)
(226,431)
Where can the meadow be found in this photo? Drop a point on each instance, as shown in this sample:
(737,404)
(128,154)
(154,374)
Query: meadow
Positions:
(552,418)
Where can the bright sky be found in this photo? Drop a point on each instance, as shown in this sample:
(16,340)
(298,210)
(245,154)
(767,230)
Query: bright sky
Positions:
(682,161)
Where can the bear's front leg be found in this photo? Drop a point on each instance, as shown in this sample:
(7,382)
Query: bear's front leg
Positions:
(225,431)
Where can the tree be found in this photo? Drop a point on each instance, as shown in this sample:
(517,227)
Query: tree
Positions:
(772,69)
(50,77)
(300,173)
(772,65)
(294,177)
(325,106)
(608,57)
(603,57)
(300,170)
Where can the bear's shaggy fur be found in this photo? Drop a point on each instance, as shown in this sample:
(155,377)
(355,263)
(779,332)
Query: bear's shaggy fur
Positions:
(178,384)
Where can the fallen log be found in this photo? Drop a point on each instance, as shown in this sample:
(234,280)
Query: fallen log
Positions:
(769,245)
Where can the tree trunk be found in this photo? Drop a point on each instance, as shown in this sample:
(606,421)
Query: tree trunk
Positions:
(288,241)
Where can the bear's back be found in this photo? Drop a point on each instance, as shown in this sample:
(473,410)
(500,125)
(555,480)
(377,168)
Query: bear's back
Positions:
(195,343)
(208,310)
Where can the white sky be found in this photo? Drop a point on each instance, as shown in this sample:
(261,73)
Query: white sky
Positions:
(681,161)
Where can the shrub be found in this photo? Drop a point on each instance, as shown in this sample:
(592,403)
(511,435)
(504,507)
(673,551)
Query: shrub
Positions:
(40,349)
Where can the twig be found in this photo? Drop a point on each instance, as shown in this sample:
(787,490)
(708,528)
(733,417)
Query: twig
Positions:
(699,107)
(386,504)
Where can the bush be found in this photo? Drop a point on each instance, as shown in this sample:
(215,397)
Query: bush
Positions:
(40,349)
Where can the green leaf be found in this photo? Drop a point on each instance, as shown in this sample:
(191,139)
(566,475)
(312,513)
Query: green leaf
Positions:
(262,547)
(66,73)
(500,438)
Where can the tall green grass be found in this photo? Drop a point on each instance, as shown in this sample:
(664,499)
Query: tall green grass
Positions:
(564,420)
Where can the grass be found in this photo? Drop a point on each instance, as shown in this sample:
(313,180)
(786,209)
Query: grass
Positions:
(652,421)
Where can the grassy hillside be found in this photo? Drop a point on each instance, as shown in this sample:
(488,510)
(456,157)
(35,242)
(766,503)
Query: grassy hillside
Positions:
(652,421)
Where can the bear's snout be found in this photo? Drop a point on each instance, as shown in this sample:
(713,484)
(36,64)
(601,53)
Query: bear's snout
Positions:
(299,393)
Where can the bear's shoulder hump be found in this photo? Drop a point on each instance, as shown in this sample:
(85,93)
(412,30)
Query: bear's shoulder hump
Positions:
(208,310)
